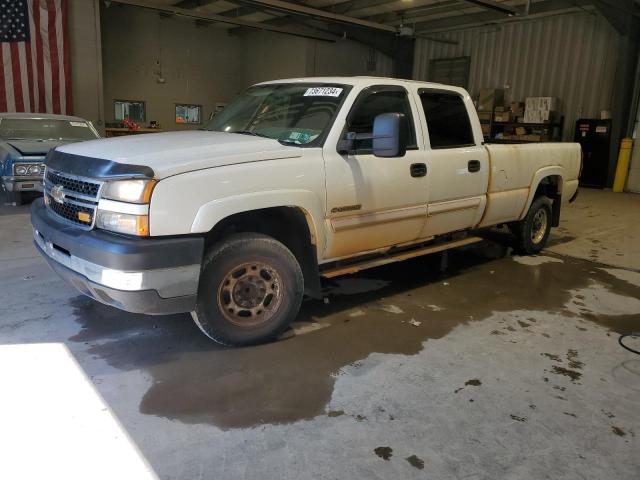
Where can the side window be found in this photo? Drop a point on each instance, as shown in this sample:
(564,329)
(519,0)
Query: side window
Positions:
(366,110)
(447,120)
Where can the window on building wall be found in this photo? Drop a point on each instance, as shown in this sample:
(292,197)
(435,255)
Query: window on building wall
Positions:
(450,71)
(188,113)
(133,110)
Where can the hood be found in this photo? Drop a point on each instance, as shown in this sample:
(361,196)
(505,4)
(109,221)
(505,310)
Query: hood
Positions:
(34,147)
(173,153)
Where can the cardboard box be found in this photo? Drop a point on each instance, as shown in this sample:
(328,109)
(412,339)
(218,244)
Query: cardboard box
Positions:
(521,131)
(484,116)
(490,98)
(517,109)
(502,117)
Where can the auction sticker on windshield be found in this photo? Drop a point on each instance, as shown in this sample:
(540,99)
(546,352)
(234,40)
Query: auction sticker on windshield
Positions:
(323,92)
(78,124)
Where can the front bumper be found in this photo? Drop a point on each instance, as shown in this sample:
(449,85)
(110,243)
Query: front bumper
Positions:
(23,183)
(140,275)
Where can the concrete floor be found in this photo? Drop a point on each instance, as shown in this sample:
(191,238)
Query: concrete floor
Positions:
(501,367)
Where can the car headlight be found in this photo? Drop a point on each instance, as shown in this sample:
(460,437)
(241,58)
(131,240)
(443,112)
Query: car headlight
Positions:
(34,170)
(123,223)
(20,169)
(130,191)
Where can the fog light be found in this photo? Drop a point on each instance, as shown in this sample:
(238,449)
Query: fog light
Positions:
(122,280)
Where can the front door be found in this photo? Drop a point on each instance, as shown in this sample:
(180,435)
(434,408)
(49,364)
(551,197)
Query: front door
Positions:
(375,202)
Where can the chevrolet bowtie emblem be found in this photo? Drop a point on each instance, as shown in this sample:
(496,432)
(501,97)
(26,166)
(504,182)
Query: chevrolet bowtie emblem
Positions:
(57,194)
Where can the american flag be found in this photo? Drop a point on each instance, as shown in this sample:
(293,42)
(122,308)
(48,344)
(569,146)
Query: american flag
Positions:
(36,70)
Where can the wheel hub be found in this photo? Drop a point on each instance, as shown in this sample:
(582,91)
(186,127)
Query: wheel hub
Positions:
(538,226)
(250,294)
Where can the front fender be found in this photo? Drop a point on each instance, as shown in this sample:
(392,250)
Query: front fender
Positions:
(213,212)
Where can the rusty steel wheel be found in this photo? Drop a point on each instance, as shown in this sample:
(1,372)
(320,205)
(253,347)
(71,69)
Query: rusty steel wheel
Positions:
(250,294)
(539,226)
(532,232)
(250,290)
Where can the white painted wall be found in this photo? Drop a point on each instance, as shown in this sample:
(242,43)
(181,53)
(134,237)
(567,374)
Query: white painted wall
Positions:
(119,52)
(271,56)
(201,65)
(86,60)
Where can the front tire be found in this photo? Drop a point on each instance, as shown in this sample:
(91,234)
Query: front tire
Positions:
(250,290)
(532,232)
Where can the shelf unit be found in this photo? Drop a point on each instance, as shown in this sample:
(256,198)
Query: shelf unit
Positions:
(555,129)
(489,122)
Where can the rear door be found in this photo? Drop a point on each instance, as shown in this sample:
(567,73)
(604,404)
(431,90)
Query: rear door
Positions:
(457,162)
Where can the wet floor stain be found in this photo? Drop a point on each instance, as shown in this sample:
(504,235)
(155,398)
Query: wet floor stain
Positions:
(518,419)
(416,462)
(572,374)
(197,381)
(335,413)
(618,431)
(384,452)
(473,382)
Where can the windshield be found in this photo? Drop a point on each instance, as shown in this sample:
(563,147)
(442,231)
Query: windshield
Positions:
(44,129)
(295,114)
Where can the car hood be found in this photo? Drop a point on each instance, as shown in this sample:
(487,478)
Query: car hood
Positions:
(32,148)
(173,153)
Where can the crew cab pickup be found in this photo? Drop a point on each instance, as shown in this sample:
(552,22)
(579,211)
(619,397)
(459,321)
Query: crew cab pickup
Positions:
(293,181)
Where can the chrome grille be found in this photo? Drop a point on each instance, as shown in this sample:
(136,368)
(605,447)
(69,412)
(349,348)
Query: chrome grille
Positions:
(73,184)
(80,197)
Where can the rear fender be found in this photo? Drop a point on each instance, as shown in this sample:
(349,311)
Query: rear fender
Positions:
(535,183)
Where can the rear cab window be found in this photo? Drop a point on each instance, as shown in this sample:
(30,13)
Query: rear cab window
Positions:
(447,118)
(372,102)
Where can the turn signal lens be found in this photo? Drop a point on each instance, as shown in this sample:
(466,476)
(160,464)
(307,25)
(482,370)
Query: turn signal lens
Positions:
(123,223)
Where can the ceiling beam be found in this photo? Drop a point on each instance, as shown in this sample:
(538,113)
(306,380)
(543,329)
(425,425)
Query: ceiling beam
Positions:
(301,10)
(484,18)
(190,4)
(498,7)
(183,12)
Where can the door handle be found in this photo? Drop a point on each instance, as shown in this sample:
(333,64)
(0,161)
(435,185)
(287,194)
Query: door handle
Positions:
(418,169)
(474,166)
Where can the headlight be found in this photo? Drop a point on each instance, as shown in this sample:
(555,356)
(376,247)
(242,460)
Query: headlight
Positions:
(34,170)
(123,223)
(131,191)
(20,169)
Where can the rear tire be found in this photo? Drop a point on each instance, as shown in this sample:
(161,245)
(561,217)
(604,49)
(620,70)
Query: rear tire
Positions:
(532,232)
(250,290)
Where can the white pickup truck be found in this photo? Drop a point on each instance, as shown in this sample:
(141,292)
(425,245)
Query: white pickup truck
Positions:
(295,180)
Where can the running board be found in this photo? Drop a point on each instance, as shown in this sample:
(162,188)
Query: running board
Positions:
(397,257)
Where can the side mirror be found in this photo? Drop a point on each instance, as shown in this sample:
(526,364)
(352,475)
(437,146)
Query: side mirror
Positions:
(390,135)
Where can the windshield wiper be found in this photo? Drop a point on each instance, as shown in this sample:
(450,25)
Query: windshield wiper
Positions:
(289,143)
(253,134)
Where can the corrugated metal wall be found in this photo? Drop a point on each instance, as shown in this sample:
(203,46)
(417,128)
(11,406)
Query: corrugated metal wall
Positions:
(570,56)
